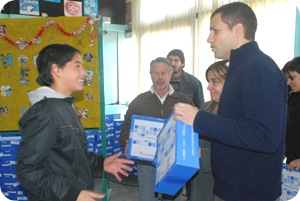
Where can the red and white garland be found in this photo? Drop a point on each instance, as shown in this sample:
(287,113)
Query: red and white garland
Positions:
(22,44)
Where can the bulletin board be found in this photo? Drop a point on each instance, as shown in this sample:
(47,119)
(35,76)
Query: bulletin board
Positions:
(20,41)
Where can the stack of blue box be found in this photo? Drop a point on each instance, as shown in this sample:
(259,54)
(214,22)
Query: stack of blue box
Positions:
(90,140)
(110,137)
(117,127)
(10,186)
(98,142)
(113,129)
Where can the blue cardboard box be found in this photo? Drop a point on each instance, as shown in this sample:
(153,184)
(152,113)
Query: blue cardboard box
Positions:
(290,184)
(177,156)
(10,187)
(143,136)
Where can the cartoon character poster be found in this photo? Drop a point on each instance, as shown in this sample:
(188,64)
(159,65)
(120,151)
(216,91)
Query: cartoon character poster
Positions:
(29,7)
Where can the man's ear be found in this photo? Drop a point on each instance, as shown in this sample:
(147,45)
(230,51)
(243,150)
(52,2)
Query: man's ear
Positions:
(239,30)
(55,71)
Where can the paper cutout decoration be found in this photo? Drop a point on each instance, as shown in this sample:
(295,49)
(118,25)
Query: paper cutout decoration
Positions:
(24,75)
(89,78)
(7,60)
(23,59)
(88,57)
(6,90)
(93,20)
(3,110)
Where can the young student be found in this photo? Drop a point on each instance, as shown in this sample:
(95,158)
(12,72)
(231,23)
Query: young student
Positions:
(53,161)
(292,152)
(247,134)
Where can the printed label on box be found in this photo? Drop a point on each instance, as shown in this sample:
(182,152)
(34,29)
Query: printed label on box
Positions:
(143,137)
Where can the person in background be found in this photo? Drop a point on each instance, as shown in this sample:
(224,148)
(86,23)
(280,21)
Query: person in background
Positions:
(53,162)
(184,82)
(202,183)
(187,84)
(292,152)
(247,134)
(158,102)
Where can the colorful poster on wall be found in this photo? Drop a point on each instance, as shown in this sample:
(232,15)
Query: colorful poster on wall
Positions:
(90,7)
(29,7)
(72,8)
(18,73)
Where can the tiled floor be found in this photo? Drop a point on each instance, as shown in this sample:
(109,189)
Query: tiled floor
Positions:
(127,190)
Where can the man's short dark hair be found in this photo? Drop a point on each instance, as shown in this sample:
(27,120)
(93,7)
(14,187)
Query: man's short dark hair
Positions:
(178,53)
(238,12)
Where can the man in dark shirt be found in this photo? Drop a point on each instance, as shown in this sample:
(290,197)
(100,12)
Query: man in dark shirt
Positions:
(183,81)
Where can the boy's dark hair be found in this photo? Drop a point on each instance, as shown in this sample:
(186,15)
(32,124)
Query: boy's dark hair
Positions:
(238,12)
(285,67)
(178,53)
(294,65)
(59,54)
